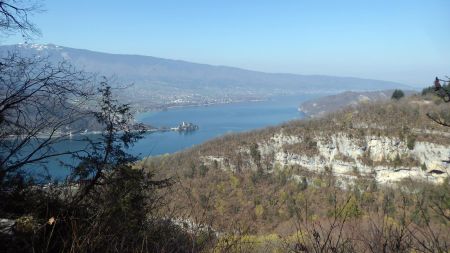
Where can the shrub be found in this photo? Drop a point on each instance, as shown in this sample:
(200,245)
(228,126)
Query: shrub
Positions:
(397,161)
(423,167)
(203,169)
(411,142)
(397,94)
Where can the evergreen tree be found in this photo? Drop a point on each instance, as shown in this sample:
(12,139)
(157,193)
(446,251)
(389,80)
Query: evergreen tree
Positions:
(397,94)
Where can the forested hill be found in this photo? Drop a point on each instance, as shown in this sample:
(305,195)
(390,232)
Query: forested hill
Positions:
(373,137)
(160,80)
(270,183)
(324,105)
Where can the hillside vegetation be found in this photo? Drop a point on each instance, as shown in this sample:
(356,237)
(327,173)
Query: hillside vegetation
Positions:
(366,179)
(237,187)
(324,105)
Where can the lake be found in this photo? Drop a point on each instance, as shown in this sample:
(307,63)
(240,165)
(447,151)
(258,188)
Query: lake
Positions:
(213,121)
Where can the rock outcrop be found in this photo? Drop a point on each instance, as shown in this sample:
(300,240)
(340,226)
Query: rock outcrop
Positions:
(371,155)
(387,159)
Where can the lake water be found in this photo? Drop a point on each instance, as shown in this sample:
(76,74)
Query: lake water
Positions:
(213,121)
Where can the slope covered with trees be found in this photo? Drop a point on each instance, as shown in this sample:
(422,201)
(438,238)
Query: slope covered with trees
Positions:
(232,194)
(236,186)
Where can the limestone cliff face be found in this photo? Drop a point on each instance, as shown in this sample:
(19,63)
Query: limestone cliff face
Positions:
(388,141)
(388,159)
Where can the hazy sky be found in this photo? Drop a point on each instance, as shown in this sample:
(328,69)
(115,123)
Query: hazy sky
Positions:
(399,40)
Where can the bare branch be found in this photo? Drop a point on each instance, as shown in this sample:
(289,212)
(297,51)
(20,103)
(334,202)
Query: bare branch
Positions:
(14,17)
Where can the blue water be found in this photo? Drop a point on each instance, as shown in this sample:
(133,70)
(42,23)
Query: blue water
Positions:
(213,121)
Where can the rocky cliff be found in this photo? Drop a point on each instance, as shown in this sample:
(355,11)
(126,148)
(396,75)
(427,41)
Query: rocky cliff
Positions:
(388,159)
(395,141)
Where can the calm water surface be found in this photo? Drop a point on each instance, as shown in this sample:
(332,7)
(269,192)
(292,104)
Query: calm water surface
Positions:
(213,121)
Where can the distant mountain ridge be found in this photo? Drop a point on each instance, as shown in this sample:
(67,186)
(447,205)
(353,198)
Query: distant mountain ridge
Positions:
(165,81)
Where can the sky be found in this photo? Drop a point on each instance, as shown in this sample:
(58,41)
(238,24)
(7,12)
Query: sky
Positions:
(406,41)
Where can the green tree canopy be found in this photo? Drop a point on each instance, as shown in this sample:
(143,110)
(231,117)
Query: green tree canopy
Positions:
(397,94)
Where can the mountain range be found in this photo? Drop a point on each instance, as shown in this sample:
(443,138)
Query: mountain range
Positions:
(164,82)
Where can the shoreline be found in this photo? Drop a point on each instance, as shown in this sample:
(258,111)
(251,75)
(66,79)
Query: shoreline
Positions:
(82,133)
(203,105)
(138,119)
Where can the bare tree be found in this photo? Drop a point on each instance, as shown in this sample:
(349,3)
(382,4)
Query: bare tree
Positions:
(442,91)
(111,207)
(14,17)
(39,102)
(115,203)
